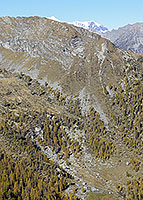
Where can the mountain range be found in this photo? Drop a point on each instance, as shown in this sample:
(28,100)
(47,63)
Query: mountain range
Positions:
(129,37)
(71,111)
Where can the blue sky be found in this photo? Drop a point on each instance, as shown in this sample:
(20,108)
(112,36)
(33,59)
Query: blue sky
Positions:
(110,13)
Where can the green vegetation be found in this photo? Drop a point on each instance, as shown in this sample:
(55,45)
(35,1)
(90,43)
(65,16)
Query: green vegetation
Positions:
(98,136)
(128,101)
(33,177)
(35,126)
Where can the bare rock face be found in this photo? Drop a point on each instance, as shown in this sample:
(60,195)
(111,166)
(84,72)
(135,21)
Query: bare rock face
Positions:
(67,57)
(129,37)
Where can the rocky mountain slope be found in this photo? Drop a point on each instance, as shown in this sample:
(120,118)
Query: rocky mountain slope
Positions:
(72,101)
(65,56)
(129,37)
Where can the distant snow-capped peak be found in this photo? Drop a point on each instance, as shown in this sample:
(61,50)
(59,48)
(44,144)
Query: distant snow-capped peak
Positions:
(54,18)
(91,25)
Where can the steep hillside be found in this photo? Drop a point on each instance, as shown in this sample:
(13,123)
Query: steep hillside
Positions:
(70,112)
(129,37)
(67,57)
(43,130)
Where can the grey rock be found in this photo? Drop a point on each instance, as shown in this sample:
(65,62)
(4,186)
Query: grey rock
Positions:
(129,37)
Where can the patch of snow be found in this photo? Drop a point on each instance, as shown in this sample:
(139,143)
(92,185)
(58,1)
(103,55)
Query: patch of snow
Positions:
(90,25)
(54,18)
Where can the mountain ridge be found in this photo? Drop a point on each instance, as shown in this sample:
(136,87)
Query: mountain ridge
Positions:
(129,37)
(74,61)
